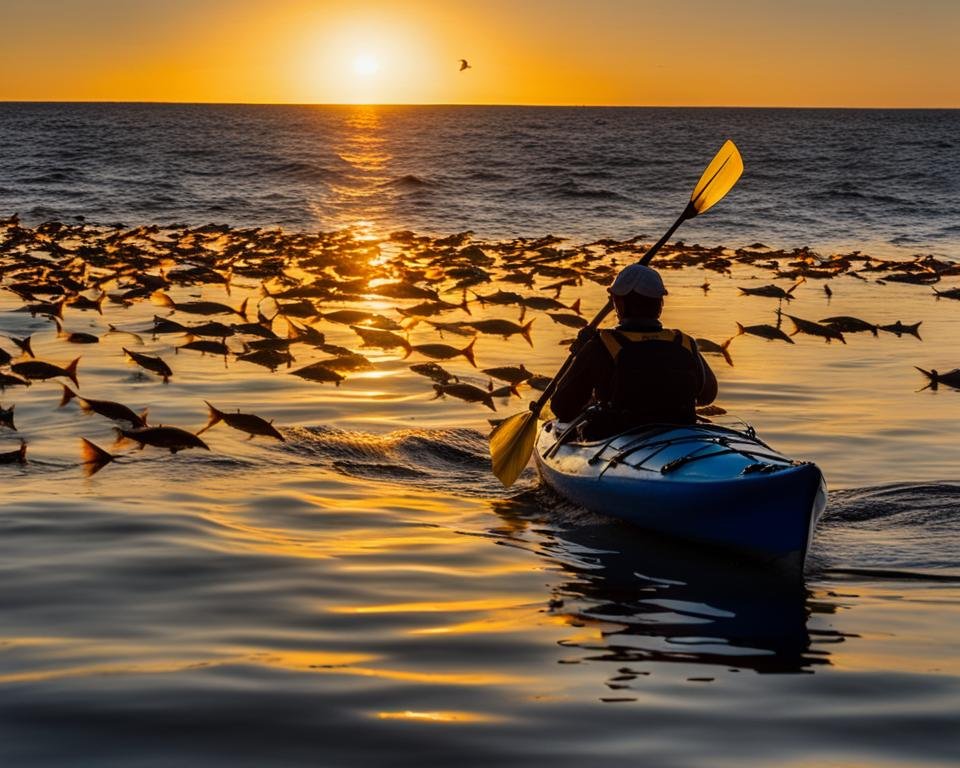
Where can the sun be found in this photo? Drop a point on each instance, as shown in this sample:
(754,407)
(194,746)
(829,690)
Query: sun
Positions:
(365,65)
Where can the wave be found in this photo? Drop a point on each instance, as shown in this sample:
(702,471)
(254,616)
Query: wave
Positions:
(452,460)
(408,180)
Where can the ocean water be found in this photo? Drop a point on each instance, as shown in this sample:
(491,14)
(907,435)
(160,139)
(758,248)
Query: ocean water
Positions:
(366,593)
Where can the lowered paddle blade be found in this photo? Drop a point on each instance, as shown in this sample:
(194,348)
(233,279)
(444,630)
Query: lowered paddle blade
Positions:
(511,444)
(718,179)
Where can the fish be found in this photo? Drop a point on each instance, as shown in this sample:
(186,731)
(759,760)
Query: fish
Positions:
(460,328)
(244,422)
(200,307)
(166,325)
(6,380)
(318,372)
(539,382)
(467,392)
(430,308)
(433,371)
(151,363)
(113,329)
(847,324)
(764,331)
(75,337)
(268,358)
(953,293)
(504,328)
(712,348)
(206,346)
(6,417)
(500,297)
(509,373)
(445,351)
(106,408)
(351,361)
(211,329)
(900,329)
(950,378)
(826,290)
(93,458)
(353,317)
(772,291)
(571,321)
(375,337)
(816,329)
(543,303)
(18,456)
(38,370)
(173,439)
(5,357)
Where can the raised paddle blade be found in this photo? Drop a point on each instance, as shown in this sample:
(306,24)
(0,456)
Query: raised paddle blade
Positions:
(718,179)
(511,444)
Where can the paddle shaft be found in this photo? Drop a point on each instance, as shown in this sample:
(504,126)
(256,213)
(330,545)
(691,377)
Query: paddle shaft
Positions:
(688,213)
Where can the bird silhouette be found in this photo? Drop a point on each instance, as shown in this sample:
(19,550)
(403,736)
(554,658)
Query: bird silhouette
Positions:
(464,65)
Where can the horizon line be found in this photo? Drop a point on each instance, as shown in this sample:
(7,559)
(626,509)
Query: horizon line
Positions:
(461,104)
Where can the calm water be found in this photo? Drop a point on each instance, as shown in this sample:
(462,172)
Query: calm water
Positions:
(366,593)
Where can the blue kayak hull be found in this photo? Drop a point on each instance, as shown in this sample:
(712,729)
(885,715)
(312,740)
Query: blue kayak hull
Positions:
(706,484)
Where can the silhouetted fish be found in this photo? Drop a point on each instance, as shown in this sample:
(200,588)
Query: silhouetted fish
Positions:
(433,371)
(201,307)
(953,293)
(374,337)
(571,321)
(318,372)
(6,380)
(764,331)
(38,370)
(504,328)
(172,438)
(106,408)
(151,363)
(950,378)
(466,392)
(900,329)
(509,373)
(244,422)
(815,329)
(848,324)
(445,351)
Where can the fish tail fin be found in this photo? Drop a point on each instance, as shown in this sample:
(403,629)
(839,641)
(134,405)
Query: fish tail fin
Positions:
(525,331)
(467,352)
(163,299)
(68,395)
(93,457)
(22,452)
(100,299)
(215,416)
(514,390)
(72,371)
(725,351)
(575,307)
(464,305)
(928,374)
(121,438)
(439,390)
(488,401)
(740,329)
(523,313)
(242,311)
(479,298)
(228,278)
(914,330)
(59,323)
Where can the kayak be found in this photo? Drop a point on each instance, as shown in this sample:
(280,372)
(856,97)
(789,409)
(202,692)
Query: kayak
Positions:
(706,483)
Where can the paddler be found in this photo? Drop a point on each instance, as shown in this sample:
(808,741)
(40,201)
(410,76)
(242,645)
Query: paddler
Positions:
(638,372)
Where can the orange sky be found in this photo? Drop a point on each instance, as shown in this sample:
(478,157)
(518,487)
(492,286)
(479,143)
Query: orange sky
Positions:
(642,52)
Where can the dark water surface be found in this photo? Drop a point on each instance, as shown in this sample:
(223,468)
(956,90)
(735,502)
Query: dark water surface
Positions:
(365,593)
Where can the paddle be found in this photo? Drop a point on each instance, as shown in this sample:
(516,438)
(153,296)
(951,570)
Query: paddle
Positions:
(511,441)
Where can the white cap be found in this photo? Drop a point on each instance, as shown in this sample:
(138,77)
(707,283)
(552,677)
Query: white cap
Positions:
(637,278)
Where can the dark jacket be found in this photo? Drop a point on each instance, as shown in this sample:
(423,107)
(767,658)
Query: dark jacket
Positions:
(639,373)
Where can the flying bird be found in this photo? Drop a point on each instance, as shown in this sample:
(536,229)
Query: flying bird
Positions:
(464,65)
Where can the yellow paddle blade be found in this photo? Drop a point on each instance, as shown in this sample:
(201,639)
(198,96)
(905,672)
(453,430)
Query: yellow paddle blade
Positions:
(718,179)
(511,444)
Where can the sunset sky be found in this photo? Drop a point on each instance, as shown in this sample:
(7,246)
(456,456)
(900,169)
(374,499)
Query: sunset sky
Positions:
(631,52)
